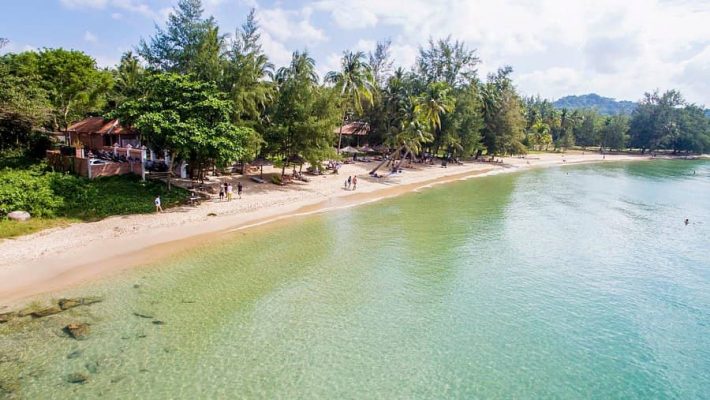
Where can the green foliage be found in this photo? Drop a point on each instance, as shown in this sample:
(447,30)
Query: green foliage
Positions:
(304,115)
(504,123)
(615,132)
(74,85)
(665,121)
(186,44)
(190,118)
(24,105)
(447,61)
(28,191)
(49,194)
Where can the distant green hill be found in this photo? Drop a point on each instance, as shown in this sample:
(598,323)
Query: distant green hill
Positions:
(605,105)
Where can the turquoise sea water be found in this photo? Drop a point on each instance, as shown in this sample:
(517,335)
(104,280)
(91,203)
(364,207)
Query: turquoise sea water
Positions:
(572,283)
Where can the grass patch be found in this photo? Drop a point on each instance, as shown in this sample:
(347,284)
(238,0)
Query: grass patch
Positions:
(120,195)
(11,229)
(56,199)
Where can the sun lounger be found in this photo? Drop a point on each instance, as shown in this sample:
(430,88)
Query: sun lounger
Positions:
(257,179)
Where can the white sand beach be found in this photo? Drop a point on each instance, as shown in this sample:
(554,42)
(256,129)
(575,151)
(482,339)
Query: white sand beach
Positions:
(58,258)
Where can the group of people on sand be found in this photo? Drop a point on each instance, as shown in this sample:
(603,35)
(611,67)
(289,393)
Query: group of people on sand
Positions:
(350,183)
(228,190)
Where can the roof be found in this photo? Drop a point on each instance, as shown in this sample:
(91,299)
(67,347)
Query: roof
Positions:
(355,128)
(99,126)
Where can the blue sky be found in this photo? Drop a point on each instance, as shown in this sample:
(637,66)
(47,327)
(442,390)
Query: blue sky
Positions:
(556,47)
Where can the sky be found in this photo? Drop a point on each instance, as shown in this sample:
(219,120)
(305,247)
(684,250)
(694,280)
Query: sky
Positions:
(616,48)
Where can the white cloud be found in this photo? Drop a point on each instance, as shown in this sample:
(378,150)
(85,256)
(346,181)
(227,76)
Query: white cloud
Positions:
(289,25)
(134,6)
(116,16)
(84,3)
(277,51)
(619,49)
(90,37)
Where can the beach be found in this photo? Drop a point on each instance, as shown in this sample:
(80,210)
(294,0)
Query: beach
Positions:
(56,259)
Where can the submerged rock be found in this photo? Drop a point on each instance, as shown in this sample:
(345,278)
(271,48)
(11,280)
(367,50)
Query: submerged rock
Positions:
(66,304)
(77,377)
(86,301)
(142,315)
(6,317)
(78,331)
(92,367)
(44,312)
(74,354)
(158,322)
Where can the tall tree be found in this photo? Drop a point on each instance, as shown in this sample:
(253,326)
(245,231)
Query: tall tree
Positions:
(189,118)
(504,122)
(354,83)
(127,77)
(74,85)
(24,106)
(655,120)
(248,73)
(449,61)
(381,62)
(614,133)
(183,42)
(303,116)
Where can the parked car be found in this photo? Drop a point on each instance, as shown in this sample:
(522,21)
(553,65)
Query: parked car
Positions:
(96,161)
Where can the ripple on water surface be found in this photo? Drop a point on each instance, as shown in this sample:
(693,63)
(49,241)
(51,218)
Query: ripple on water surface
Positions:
(575,282)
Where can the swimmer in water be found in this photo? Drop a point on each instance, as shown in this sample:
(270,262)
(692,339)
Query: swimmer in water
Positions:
(686,221)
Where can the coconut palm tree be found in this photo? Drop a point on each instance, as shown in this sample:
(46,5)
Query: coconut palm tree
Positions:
(434,102)
(127,76)
(301,66)
(354,83)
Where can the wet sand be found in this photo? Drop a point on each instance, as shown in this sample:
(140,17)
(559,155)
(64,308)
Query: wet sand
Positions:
(50,261)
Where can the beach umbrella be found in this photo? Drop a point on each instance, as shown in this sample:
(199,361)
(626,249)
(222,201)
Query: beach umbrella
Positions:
(350,150)
(367,149)
(382,148)
(260,162)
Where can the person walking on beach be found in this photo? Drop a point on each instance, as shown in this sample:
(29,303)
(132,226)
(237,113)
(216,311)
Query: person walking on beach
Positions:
(354,182)
(350,181)
(239,189)
(225,188)
(230,192)
(345,184)
(158,207)
(221,193)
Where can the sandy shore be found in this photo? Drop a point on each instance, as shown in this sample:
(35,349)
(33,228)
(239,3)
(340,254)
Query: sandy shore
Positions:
(58,258)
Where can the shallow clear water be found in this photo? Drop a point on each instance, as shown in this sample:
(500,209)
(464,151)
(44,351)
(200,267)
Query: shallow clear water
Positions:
(573,282)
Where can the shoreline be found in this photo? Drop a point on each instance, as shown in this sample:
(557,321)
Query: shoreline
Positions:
(50,261)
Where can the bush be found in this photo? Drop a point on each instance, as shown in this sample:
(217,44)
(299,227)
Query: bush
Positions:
(28,191)
(53,194)
(276,179)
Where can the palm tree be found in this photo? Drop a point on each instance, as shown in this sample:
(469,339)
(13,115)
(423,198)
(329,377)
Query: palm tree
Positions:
(302,65)
(431,104)
(354,82)
(128,75)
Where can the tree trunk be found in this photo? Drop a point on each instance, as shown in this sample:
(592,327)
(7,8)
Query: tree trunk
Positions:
(386,160)
(340,133)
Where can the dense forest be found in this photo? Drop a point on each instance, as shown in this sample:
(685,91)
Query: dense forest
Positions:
(213,98)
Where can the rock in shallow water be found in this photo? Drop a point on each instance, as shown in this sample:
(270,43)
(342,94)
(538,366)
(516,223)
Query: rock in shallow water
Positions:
(6,317)
(77,377)
(43,312)
(66,304)
(74,354)
(78,331)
